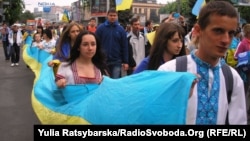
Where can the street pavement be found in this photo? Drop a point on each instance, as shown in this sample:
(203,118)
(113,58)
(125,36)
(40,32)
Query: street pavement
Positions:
(16,113)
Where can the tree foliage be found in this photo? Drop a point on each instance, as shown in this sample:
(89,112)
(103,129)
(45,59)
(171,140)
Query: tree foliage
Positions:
(186,10)
(27,15)
(244,12)
(13,11)
(124,16)
(173,7)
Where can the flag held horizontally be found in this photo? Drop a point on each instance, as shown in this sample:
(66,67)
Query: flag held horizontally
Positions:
(146,98)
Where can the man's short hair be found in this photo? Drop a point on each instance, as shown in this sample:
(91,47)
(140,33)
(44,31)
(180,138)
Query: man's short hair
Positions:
(92,19)
(148,22)
(222,8)
(112,10)
(133,20)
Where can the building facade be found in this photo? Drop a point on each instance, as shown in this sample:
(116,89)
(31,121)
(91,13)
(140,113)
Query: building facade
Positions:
(141,8)
(83,10)
(145,1)
(144,9)
(54,14)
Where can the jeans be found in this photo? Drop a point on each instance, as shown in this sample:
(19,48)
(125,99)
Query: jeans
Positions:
(115,70)
(5,49)
(15,53)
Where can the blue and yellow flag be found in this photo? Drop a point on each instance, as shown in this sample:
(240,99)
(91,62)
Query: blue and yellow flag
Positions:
(65,17)
(123,4)
(149,97)
(197,6)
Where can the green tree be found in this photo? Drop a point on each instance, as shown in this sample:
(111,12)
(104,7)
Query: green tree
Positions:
(124,17)
(244,12)
(185,9)
(173,7)
(187,5)
(13,11)
(25,16)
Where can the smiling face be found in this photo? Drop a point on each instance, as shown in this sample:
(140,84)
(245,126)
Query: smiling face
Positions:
(216,37)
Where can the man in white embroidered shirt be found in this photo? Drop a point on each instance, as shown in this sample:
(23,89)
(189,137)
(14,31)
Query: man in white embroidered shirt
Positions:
(209,104)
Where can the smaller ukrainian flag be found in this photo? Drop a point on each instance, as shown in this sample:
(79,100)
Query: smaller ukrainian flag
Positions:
(198,5)
(65,17)
(123,4)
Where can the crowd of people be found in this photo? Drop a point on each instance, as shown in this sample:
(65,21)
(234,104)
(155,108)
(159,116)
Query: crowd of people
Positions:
(88,53)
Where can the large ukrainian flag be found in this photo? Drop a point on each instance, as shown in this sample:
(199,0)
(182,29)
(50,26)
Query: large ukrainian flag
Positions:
(150,97)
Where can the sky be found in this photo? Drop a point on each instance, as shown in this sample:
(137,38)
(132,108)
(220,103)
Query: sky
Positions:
(31,4)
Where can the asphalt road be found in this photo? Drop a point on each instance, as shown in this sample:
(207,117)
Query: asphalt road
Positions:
(16,113)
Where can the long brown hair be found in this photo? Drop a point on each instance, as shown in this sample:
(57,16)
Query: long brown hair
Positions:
(64,38)
(164,33)
(99,59)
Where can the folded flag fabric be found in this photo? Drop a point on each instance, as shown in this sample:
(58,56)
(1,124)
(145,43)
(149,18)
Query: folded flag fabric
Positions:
(151,37)
(150,97)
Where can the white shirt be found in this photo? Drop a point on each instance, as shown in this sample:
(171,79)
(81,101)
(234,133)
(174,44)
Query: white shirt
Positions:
(237,106)
(48,46)
(138,47)
(19,37)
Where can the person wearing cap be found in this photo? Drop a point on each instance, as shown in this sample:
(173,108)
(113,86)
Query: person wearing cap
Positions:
(23,28)
(155,27)
(15,40)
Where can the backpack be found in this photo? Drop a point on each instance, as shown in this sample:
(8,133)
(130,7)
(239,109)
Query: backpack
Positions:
(181,66)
